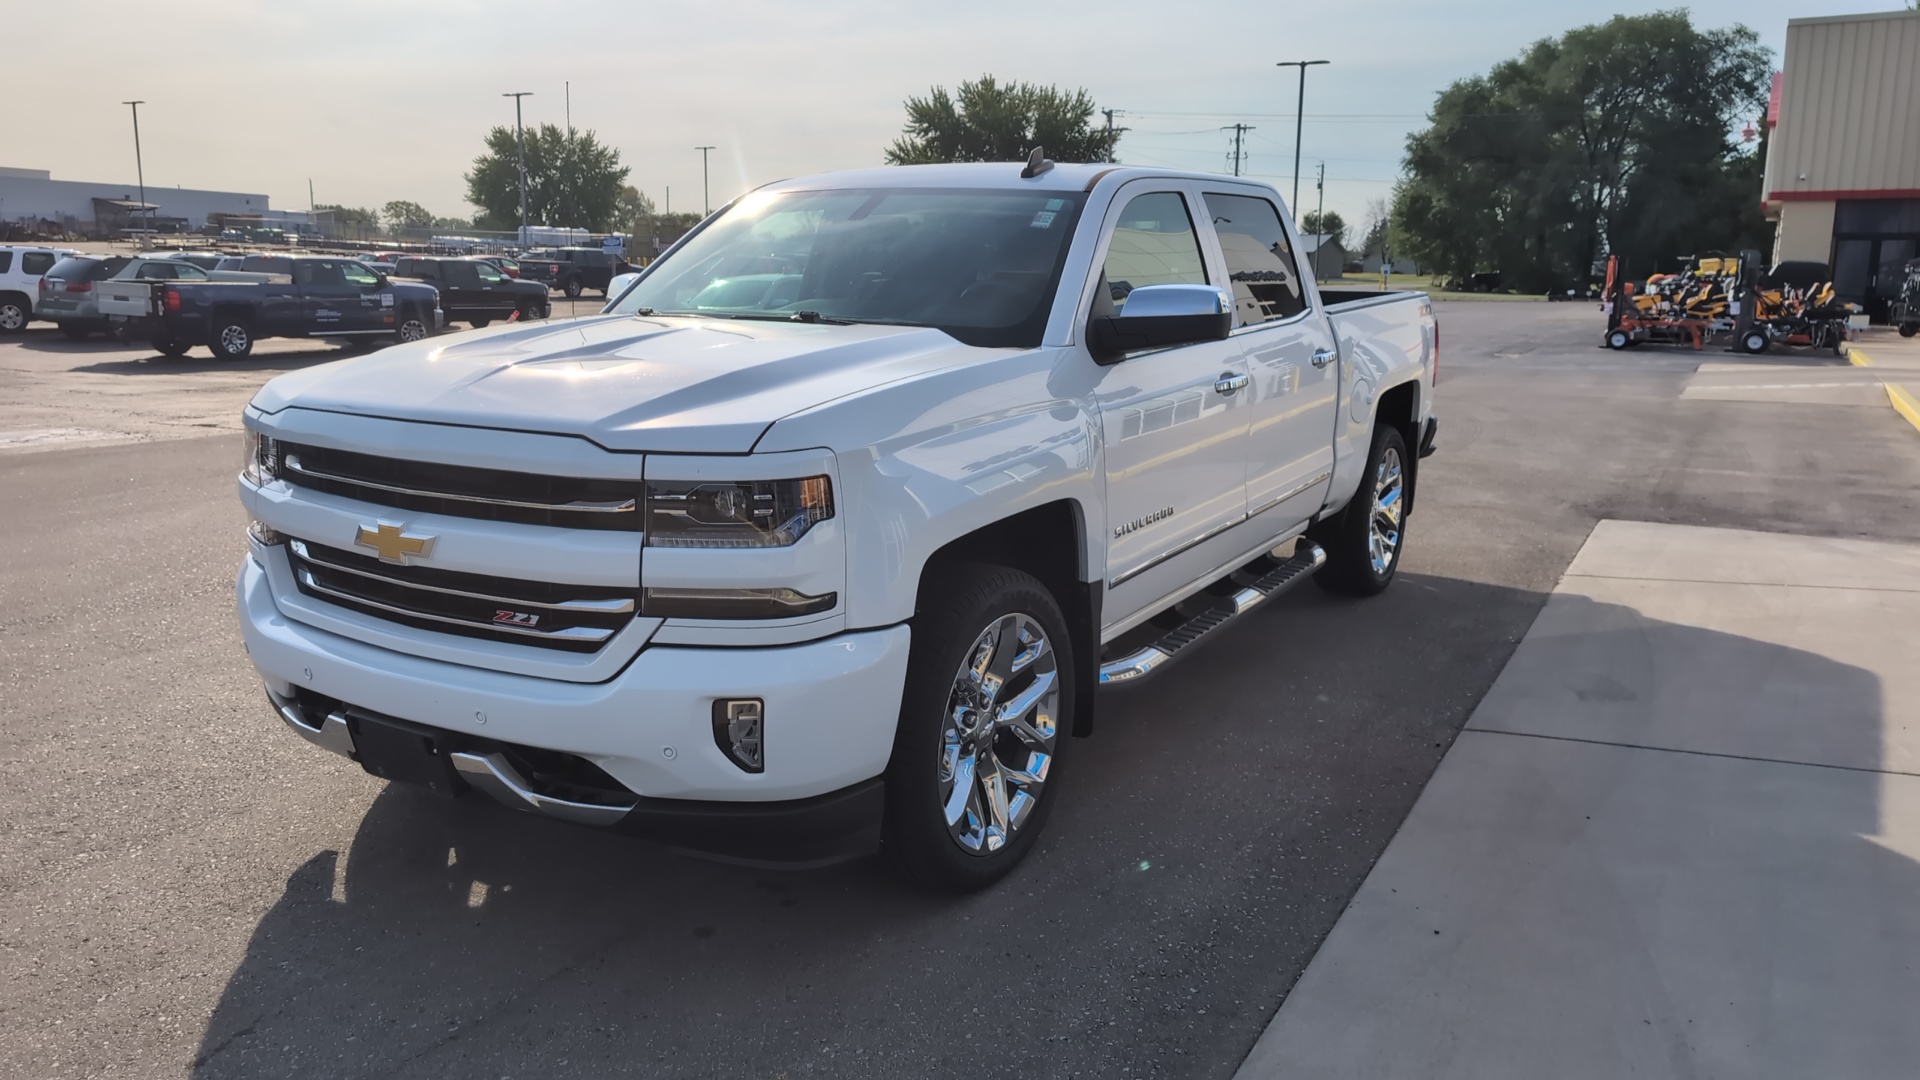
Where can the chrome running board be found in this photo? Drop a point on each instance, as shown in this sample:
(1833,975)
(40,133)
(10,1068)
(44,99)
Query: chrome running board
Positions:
(1145,661)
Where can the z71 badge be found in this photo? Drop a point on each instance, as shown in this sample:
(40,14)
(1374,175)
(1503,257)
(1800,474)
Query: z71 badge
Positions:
(516,618)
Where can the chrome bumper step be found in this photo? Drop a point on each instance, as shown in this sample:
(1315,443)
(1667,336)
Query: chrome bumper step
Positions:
(489,773)
(1145,661)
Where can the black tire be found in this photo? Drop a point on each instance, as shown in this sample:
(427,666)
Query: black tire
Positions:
(75,329)
(1618,339)
(15,313)
(1907,329)
(1351,568)
(175,349)
(572,288)
(958,606)
(478,323)
(232,338)
(413,326)
(533,311)
(1754,341)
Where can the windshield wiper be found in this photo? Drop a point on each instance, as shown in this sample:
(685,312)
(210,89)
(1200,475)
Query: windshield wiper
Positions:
(816,317)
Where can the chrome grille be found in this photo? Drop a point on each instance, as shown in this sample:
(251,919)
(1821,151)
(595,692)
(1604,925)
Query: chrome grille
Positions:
(464,491)
(576,618)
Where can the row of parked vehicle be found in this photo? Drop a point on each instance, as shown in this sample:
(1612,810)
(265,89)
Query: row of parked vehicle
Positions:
(178,300)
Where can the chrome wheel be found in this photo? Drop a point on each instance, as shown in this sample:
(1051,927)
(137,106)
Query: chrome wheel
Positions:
(997,741)
(412,329)
(1389,490)
(234,339)
(12,317)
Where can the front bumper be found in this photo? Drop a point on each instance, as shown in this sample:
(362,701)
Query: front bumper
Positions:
(830,709)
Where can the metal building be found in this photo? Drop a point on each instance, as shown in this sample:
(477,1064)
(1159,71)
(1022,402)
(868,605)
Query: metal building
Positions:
(33,195)
(1843,156)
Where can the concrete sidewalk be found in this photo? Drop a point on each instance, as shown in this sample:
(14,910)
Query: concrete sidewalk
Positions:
(1678,838)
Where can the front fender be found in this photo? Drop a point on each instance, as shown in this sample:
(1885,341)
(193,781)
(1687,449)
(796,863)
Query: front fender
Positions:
(930,459)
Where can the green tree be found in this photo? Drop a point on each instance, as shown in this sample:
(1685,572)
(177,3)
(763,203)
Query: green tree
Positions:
(573,180)
(1331,223)
(634,212)
(454,224)
(351,215)
(401,214)
(988,121)
(1613,137)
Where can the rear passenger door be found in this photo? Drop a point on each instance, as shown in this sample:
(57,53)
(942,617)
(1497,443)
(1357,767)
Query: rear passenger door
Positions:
(495,296)
(1290,354)
(460,295)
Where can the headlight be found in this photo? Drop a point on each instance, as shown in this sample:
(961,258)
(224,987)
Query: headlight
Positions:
(735,514)
(260,457)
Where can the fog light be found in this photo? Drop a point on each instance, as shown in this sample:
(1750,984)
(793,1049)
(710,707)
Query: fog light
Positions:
(737,731)
(263,534)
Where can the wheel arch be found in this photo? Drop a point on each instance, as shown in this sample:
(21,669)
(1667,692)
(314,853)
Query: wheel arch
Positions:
(1399,408)
(1050,542)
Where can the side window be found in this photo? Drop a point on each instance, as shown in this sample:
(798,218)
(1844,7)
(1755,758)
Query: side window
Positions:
(189,272)
(459,274)
(36,262)
(358,276)
(489,273)
(1260,262)
(6,261)
(156,271)
(1153,244)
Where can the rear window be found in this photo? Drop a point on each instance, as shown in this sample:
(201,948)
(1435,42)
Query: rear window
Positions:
(77,269)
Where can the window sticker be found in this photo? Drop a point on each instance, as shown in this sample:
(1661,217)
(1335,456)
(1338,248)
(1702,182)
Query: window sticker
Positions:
(1044,219)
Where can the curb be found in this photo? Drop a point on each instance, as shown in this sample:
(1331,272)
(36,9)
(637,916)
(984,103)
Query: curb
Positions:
(1898,396)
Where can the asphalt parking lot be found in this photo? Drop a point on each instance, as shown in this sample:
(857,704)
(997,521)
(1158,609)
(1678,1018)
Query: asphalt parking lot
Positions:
(188,890)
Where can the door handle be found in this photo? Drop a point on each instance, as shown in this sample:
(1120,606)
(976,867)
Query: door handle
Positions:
(1228,383)
(1323,357)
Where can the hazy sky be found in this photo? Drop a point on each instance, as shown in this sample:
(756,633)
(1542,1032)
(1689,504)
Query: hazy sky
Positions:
(389,100)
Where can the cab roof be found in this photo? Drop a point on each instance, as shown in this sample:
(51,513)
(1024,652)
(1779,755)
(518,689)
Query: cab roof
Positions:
(990,175)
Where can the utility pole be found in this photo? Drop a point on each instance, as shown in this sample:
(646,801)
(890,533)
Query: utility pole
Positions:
(520,136)
(1238,130)
(1320,222)
(569,86)
(138,168)
(1112,132)
(706,200)
(309,200)
(1299,119)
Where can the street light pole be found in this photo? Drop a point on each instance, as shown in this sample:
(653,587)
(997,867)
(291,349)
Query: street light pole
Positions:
(138,168)
(1299,120)
(706,201)
(520,136)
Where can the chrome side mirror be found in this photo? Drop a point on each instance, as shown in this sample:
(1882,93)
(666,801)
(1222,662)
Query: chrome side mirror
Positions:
(618,287)
(1160,317)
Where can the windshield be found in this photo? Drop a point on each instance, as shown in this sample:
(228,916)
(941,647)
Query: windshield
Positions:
(980,265)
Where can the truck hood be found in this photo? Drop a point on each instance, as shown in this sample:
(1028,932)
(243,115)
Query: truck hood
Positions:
(669,384)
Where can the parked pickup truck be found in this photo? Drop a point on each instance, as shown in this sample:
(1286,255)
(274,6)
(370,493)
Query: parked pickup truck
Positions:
(821,538)
(299,296)
(573,270)
(474,290)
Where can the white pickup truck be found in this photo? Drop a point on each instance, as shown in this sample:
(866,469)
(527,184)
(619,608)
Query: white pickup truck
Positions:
(820,539)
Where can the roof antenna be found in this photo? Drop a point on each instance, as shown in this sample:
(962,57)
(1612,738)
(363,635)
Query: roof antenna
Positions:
(1037,163)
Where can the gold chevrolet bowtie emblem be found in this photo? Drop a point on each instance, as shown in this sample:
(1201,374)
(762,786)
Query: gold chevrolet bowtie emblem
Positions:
(393,544)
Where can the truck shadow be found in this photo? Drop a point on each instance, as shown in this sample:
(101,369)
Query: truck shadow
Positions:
(196,363)
(1202,846)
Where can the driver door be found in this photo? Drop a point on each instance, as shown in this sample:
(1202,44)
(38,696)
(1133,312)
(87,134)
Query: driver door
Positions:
(1175,421)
